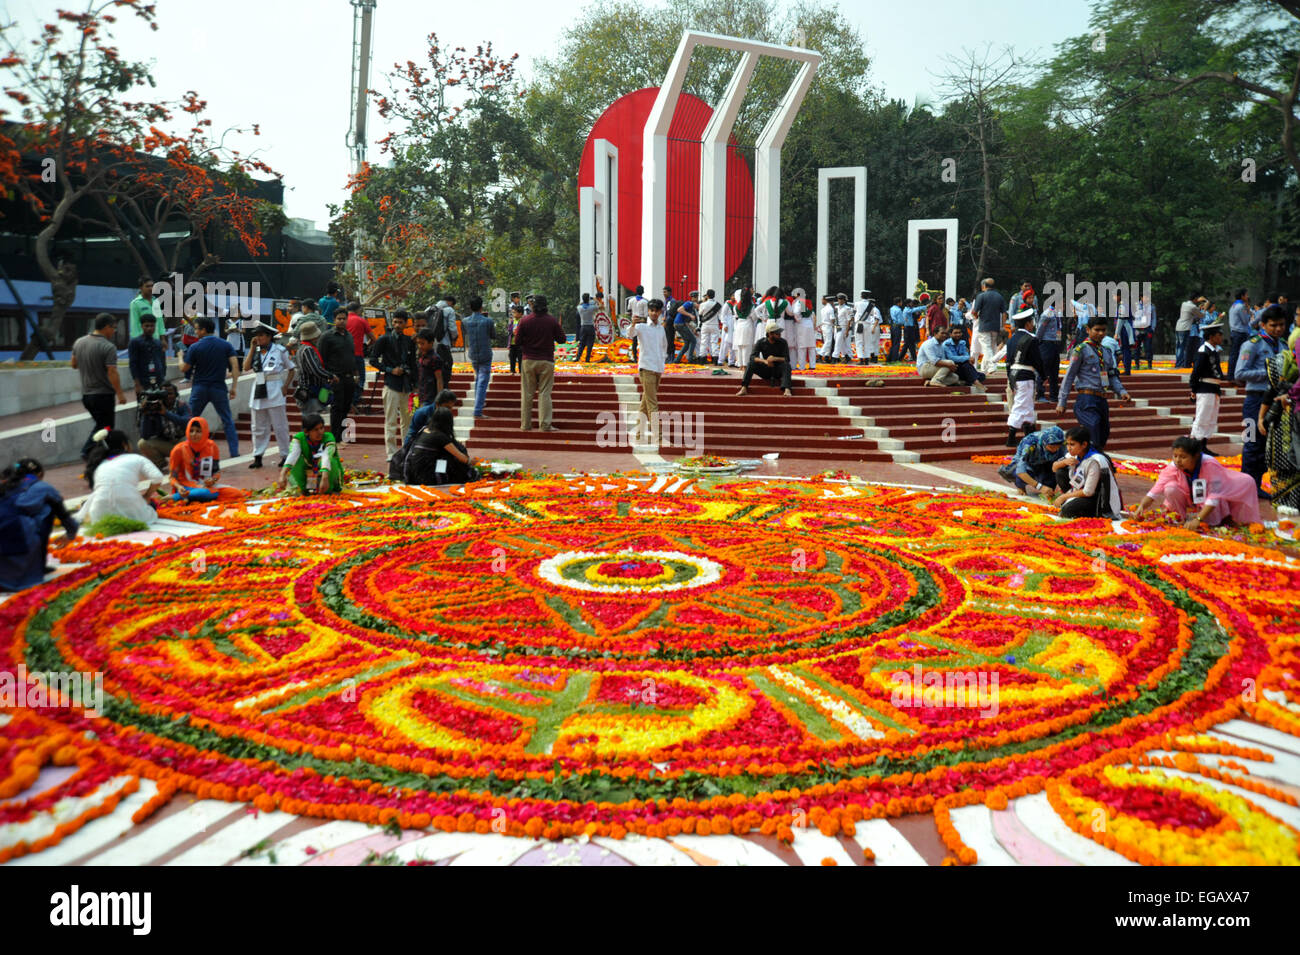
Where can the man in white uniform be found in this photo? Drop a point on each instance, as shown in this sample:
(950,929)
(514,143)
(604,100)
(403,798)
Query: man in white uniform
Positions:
(828,328)
(710,327)
(844,328)
(866,327)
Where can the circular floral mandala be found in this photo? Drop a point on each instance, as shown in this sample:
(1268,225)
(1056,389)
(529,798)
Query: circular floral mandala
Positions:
(548,660)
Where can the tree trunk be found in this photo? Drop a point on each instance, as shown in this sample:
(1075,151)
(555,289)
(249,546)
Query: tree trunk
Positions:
(988,201)
(63,281)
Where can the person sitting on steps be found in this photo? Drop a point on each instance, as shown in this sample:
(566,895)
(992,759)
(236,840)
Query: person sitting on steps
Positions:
(770,360)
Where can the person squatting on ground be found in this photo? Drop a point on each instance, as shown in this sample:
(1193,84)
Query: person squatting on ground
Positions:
(28,509)
(115,474)
(313,465)
(1197,489)
(1033,468)
(1094,489)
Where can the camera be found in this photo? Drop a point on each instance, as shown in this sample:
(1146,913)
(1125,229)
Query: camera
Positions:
(153,401)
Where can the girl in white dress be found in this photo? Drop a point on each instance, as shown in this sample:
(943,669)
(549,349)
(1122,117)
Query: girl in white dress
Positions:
(728,319)
(115,476)
(744,340)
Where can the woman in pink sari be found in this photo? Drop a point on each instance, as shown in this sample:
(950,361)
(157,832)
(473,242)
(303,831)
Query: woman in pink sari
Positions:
(1197,488)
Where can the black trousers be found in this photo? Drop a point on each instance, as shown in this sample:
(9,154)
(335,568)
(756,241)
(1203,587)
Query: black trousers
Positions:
(444,356)
(895,340)
(671,333)
(778,375)
(103,410)
(1051,353)
(910,336)
(344,393)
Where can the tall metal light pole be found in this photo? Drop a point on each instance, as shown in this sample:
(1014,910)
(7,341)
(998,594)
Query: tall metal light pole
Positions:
(363,17)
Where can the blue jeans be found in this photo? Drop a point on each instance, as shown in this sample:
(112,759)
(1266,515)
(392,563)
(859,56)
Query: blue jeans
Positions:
(216,395)
(482,375)
(688,342)
(361,378)
(1180,349)
(198,495)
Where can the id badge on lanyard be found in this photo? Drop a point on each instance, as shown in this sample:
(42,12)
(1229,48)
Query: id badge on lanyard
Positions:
(205,468)
(1198,491)
(1077,479)
(1101,369)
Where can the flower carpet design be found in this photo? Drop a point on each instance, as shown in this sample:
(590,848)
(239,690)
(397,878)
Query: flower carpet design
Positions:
(662,657)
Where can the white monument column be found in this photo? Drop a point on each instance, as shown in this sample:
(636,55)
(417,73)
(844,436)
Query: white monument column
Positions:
(713,179)
(859,176)
(767,173)
(598,220)
(914,229)
(767,190)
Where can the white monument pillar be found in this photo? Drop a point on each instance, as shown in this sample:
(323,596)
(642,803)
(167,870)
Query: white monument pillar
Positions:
(713,180)
(859,176)
(914,229)
(598,222)
(767,190)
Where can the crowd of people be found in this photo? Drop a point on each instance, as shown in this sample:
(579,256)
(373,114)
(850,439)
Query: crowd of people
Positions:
(321,360)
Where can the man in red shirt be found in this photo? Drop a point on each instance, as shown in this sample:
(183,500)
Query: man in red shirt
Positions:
(359,329)
(537,336)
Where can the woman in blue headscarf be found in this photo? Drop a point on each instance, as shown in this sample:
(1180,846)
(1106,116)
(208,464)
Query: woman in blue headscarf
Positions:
(28,509)
(1031,469)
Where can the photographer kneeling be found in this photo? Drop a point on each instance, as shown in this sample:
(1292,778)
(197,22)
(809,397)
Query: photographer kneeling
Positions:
(162,419)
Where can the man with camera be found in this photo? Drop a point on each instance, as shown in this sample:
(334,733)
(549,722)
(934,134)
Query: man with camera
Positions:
(161,419)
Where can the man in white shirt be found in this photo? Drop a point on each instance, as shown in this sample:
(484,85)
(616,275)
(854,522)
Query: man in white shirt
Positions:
(930,363)
(844,328)
(636,307)
(650,364)
(866,328)
(827,323)
(710,326)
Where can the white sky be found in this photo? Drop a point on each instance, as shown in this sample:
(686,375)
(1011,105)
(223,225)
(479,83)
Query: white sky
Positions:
(286,64)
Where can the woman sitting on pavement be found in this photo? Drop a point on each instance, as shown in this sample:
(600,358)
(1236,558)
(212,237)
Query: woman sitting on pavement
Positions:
(436,457)
(114,474)
(28,507)
(1196,488)
(1032,469)
(1094,487)
(196,467)
(313,465)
